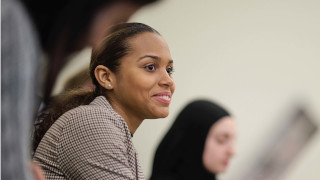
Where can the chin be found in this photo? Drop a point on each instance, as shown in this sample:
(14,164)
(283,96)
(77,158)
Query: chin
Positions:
(160,114)
(221,170)
(163,115)
(156,112)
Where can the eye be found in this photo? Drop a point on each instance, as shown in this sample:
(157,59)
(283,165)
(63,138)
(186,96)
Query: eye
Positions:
(170,70)
(150,67)
(221,140)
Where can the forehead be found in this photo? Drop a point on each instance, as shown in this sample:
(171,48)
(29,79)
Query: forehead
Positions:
(149,42)
(225,125)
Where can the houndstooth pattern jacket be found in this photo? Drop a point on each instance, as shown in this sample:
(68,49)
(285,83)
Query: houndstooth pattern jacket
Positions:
(89,142)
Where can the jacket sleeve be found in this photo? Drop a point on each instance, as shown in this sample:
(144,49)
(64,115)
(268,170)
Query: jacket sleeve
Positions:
(91,147)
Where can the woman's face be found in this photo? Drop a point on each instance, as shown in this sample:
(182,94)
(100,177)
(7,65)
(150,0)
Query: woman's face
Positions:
(219,145)
(144,85)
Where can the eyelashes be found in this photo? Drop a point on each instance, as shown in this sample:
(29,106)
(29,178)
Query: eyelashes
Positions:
(170,70)
(152,67)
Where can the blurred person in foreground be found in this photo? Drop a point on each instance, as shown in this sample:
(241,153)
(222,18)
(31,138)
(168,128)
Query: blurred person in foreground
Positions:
(30,28)
(198,145)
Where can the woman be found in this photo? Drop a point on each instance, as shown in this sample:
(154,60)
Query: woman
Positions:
(198,145)
(131,70)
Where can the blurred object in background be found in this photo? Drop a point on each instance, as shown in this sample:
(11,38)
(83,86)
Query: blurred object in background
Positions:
(80,80)
(76,62)
(284,147)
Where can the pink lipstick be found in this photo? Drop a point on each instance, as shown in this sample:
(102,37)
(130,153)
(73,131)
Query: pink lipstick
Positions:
(164,97)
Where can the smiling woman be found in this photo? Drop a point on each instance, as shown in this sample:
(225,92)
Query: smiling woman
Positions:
(87,135)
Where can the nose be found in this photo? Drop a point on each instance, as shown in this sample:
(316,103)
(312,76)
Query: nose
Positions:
(166,80)
(232,150)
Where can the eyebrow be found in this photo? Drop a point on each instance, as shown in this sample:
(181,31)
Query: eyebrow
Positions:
(225,135)
(153,57)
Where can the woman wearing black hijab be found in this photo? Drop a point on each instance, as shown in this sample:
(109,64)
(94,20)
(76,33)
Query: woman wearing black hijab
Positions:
(198,145)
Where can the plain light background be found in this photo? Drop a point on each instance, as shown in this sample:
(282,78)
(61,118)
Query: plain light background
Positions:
(258,58)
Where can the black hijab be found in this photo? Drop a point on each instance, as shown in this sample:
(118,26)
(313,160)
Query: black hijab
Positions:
(179,155)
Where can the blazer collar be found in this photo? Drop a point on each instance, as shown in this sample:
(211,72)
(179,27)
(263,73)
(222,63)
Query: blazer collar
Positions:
(103,102)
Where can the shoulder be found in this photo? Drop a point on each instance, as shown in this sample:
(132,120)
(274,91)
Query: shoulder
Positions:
(89,111)
(91,145)
(91,119)
(89,114)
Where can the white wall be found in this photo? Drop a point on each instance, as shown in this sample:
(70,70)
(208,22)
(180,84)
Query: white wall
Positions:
(258,58)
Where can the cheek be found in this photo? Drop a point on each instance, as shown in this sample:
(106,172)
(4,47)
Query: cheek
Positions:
(132,80)
(137,86)
(141,85)
(212,157)
(212,151)
(173,87)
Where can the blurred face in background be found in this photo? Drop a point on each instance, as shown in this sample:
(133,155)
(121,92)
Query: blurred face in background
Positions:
(117,13)
(219,145)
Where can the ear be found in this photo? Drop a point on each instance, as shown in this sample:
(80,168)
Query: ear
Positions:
(104,76)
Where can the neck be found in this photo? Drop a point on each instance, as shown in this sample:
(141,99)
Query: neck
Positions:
(132,121)
(133,124)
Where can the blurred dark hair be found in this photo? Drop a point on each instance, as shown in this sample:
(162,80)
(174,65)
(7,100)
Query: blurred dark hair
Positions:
(63,28)
(108,53)
(78,80)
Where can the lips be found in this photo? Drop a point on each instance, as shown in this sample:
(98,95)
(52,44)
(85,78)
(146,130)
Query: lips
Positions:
(164,97)
(225,162)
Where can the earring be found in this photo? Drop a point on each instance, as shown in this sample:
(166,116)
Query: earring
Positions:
(109,85)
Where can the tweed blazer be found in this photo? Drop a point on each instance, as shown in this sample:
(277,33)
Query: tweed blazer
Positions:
(89,142)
